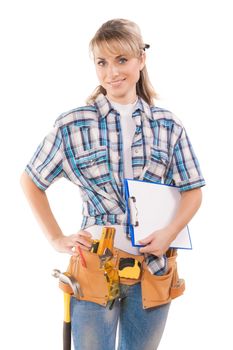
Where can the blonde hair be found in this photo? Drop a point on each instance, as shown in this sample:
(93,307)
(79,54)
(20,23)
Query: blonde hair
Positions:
(124,35)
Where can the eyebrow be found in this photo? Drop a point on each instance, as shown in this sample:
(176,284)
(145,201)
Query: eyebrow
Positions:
(101,58)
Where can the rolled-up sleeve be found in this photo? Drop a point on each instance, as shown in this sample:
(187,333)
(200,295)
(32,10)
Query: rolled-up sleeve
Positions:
(184,171)
(46,165)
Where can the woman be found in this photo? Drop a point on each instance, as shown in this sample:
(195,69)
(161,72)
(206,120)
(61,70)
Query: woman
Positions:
(119,133)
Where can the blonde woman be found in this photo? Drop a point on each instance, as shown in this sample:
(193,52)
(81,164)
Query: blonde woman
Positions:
(119,133)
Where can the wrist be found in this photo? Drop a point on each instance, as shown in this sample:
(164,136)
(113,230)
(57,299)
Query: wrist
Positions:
(55,237)
(172,232)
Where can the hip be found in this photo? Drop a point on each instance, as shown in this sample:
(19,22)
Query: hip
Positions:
(156,290)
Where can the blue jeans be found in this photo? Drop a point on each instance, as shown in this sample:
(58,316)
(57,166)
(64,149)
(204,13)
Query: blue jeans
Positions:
(94,326)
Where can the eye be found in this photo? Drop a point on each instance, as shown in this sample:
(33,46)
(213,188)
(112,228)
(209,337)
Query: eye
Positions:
(101,63)
(122,60)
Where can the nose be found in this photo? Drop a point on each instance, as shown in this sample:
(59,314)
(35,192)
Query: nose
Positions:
(113,70)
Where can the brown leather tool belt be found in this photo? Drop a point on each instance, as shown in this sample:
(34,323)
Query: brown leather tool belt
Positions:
(156,290)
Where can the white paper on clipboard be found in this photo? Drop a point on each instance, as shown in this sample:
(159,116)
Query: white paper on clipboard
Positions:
(151,206)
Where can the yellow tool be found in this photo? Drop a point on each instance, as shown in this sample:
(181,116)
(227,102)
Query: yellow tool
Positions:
(106,241)
(129,268)
(103,240)
(111,237)
(112,277)
(105,252)
(95,245)
(67,323)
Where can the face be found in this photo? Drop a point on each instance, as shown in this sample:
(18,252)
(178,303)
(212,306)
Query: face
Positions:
(118,74)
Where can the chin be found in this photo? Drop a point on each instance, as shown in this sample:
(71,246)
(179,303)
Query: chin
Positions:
(118,94)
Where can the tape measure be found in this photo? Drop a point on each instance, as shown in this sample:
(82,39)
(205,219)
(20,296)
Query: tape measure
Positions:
(129,268)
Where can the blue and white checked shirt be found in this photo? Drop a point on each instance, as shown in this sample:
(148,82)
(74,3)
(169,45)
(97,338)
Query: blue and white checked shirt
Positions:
(86,146)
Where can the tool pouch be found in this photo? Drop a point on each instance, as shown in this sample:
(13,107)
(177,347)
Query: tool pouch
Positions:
(91,278)
(158,290)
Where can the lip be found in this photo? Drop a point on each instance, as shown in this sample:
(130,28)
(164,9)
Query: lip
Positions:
(117,82)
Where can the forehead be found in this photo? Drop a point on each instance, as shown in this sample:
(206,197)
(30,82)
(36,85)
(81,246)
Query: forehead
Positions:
(112,49)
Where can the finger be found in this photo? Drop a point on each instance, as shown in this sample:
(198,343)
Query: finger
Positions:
(84,242)
(84,233)
(69,250)
(149,248)
(145,249)
(74,250)
(78,238)
(83,239)
(83,247)
(157,253)
(147,240)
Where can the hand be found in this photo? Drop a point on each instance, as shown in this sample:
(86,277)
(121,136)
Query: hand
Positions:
(157,243)
(65,244)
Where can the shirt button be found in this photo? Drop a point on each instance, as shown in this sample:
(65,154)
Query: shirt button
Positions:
(136,150)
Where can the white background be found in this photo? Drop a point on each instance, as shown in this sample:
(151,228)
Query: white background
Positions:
(46,70)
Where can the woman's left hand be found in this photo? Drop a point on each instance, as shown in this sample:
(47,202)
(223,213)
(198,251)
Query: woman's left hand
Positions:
(157,243)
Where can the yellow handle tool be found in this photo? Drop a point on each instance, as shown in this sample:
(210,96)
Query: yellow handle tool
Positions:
(67,323)
(103,241)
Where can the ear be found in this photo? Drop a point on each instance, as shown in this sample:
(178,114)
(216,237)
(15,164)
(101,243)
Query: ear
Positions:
(142,60)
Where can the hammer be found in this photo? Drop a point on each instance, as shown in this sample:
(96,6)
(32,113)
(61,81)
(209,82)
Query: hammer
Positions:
(75,286)
(70,280)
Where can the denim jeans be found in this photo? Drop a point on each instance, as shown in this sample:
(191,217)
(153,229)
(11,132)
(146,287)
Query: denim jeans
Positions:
(94,327)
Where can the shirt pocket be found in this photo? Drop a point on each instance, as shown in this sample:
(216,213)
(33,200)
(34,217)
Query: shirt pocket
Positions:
(157,164)
(94,166)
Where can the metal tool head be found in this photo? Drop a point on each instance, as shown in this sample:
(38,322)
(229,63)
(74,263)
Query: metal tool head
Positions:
(105,257)
(70,280)
(56,273)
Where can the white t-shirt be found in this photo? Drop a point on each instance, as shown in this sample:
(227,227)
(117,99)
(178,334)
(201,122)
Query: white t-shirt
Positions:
(128,128)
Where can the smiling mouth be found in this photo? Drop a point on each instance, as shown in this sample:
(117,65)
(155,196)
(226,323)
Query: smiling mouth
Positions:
(116,82)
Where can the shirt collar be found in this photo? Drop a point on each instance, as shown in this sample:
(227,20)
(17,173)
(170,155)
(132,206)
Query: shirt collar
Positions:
(104,107)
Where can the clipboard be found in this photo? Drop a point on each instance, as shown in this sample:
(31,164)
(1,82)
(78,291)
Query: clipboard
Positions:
(150,207)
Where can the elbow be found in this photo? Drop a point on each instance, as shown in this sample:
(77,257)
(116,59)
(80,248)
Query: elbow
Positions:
(195,196)
(198,194)
(198,197)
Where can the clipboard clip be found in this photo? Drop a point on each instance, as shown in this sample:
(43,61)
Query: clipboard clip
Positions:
(133,211)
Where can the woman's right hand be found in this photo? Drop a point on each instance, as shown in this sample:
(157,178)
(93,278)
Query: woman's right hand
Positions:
(67,244)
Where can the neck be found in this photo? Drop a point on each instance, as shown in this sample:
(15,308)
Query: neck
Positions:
(123,100)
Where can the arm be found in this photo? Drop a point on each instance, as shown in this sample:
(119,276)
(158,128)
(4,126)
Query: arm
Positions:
(40,206)
(158,242)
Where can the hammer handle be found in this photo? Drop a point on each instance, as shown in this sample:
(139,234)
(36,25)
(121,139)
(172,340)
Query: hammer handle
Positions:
(66,335)
(67,323)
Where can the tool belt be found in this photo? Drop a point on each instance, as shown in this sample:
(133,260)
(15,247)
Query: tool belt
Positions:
(156,290)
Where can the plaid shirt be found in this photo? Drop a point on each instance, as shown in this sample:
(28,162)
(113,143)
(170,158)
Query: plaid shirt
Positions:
(85,146)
